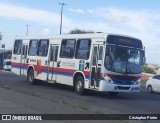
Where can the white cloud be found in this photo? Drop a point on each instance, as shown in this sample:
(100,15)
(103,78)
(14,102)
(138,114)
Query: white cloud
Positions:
(91,11)
(79,11)
(42,16)
(46,31)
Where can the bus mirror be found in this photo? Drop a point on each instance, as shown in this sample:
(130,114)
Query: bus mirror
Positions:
(144,60)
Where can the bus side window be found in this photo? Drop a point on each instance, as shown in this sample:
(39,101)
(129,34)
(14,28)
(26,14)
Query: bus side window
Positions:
(67,48)
(17,47)
(83,49)
(100,52)
(33,45)
(54,49)
(43,47)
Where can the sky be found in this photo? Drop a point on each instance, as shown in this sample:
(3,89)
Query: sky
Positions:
(136,18)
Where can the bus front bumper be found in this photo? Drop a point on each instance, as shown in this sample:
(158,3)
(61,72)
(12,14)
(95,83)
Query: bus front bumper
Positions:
(108,87)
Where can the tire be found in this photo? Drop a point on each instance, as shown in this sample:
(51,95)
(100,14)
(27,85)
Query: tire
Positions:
(79,85)
(149,89)
(30,77)
(113,93)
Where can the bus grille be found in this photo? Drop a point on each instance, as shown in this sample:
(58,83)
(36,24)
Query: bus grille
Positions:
(123,88)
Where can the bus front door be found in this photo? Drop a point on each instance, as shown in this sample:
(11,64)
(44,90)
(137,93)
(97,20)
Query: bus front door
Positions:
(52,63)
(96,66)
(23,70)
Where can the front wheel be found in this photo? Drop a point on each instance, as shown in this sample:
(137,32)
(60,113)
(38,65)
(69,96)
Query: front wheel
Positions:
(79,85)
(30,77)
(149,89)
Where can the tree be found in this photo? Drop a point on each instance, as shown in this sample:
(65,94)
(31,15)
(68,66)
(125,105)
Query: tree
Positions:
(146,69)
(78,31)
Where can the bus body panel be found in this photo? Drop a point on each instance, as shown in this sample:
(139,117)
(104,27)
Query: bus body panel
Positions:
(53,67)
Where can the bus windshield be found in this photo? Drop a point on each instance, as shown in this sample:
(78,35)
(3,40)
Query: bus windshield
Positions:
(123,60)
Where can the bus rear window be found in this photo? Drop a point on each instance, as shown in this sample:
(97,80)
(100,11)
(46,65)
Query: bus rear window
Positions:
(17,47)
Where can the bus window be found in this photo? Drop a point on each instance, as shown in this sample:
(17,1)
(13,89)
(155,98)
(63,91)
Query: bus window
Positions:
(33,45)
(43,47)
(54,49)
(17,47)
(83,49)
(67,48)
(100,52)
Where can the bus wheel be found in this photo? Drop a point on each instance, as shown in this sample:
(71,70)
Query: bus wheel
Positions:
(30,77)
(79,85)
(113,93)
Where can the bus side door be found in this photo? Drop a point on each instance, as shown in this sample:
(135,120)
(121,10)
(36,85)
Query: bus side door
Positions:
(96,66)
(52,62)
(24,59)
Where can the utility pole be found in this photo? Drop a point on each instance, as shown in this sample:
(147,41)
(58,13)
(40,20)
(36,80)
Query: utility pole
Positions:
(0,36)
(27,29)
(62,4)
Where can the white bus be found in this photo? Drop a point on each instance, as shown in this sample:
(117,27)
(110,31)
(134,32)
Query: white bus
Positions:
(98,61)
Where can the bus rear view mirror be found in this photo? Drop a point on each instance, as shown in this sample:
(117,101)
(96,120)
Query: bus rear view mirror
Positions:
(144,58)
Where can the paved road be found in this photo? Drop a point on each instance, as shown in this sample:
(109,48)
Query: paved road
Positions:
(92,102)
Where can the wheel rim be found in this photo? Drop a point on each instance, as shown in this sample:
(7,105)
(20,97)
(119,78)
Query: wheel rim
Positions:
(31,77)
(79,86)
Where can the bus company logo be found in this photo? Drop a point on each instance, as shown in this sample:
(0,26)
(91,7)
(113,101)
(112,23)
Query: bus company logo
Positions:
(32,60)
(6,117)
(38,66)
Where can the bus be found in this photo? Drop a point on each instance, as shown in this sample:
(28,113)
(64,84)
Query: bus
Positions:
(98,61)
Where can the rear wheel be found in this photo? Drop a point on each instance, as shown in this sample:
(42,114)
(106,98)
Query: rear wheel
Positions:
(149,89)
(30,77)
(79,85)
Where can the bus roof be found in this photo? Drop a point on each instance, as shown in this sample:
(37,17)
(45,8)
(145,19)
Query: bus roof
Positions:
(67,36)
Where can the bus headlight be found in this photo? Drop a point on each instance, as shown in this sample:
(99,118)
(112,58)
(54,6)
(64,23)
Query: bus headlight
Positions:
(136,82)
(107,78)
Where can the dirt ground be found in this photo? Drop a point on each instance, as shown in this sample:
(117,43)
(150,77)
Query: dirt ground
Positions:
(145,77)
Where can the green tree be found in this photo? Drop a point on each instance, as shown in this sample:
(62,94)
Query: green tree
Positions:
(78,31)
(146,69)
(9,51)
